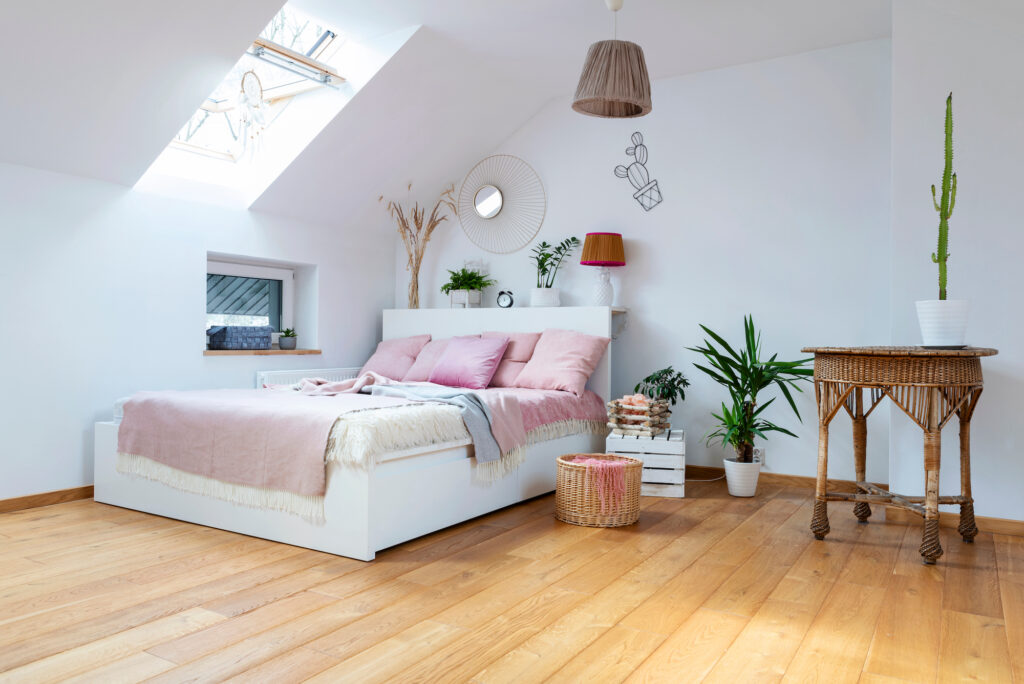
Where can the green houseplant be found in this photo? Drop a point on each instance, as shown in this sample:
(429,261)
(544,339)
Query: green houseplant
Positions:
(745,375)
(667,384)
(288,339)
(464,287)
(548,259)
(944,321)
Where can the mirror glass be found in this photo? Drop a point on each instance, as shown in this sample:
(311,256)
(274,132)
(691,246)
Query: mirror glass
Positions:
(487,201)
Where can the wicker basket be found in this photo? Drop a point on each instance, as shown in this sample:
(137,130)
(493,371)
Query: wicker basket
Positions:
(578,503)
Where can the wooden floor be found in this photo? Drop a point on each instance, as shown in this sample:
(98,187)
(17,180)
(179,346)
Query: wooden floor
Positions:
(709,588)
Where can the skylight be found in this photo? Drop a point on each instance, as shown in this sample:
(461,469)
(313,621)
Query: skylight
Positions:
(290,58)
(291,82)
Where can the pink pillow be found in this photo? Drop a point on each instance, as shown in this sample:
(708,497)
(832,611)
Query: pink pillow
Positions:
(563,360)
(520,349)
(469,362)
(427,359)
(394,358)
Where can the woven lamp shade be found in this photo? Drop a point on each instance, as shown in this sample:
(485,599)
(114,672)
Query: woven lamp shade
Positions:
(603,249)
(614,83)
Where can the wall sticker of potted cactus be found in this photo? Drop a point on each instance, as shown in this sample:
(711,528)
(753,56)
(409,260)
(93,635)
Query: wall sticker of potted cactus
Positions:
(647,192)
(944,321)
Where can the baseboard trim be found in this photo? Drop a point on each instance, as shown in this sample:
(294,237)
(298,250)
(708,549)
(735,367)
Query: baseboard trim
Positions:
(45,499)
(709,472)
(952,520)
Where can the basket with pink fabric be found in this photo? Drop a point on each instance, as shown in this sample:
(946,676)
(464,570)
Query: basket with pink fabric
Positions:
(598,490)
(638,416)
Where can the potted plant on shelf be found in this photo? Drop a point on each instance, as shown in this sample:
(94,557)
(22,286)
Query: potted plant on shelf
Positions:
(548,259)
(944,321)
(288,339)
(465,287)
(745,376)
(667,384)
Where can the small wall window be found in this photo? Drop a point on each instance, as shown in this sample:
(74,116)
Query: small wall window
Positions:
(244,294)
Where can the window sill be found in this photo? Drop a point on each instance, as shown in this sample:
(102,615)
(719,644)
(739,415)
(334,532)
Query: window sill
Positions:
(259,352)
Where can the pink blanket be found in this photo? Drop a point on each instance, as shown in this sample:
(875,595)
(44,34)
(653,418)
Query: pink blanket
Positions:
(260,438)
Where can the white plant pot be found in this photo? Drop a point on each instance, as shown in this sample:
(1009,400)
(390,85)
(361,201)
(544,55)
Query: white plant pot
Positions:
(742,477)
(545,296)
(465,299)
(943,322)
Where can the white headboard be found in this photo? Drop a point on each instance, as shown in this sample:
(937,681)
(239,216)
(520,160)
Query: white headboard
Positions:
(440,323)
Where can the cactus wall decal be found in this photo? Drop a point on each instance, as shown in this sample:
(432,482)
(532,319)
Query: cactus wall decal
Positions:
(647,192)
(945,205)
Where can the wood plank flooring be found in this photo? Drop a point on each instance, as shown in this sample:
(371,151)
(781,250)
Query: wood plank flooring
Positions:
(707,588)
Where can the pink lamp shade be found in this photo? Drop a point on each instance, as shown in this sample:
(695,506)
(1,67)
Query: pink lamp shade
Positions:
(603,249)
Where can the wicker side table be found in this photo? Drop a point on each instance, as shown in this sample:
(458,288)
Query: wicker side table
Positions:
(930,386)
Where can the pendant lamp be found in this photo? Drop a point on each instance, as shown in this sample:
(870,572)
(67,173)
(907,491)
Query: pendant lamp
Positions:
(614,83)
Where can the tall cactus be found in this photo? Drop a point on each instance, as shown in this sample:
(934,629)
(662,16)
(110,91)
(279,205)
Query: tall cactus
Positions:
(948,201)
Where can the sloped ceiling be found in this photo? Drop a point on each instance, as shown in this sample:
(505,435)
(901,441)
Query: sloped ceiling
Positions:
(99,88)
(477,70)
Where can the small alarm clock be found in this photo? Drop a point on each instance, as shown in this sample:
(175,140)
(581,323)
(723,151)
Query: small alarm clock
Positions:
(505,299)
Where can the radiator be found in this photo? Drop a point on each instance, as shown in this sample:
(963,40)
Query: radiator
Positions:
(290,377)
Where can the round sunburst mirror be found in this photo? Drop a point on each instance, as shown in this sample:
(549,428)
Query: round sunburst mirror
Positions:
(501,204)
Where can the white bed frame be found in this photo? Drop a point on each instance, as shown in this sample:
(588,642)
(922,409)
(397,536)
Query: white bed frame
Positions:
(409,493)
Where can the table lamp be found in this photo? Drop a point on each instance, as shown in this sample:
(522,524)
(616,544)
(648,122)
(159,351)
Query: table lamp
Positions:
(603,250)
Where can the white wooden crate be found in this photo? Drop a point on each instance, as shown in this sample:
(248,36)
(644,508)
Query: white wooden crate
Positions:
(664,459)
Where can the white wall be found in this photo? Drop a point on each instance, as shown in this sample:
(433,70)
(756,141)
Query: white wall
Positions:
(776,184)
(103,294)
(973,48)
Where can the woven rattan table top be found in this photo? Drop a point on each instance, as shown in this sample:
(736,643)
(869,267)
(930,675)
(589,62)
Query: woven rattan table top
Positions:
(902,351)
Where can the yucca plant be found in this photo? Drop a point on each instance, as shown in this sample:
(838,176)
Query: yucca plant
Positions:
(745,376)
(948,201)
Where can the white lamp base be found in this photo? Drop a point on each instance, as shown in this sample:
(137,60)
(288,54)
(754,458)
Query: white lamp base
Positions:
(604,293)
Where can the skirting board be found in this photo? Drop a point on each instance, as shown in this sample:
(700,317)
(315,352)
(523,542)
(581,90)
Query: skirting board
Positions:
(709,472)
(45,499)
(950,519)
(892,514)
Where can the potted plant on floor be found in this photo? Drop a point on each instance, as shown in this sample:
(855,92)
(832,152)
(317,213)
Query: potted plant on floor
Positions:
(745,376)
(288,339)
(465,288)
(548,259)
(944,321)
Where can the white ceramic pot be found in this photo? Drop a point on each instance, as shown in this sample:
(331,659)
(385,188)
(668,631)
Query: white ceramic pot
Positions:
(545,296)
(742,477)
(465,299)
(943,322)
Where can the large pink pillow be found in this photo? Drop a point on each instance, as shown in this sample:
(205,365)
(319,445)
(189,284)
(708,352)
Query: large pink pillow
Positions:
(394,358)
(469,362)
(427,359)
(520,349)
(563,360)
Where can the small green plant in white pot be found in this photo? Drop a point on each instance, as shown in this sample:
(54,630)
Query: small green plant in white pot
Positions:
(548,259)
(465,288)
(746,376)
(288,339)
(944,321)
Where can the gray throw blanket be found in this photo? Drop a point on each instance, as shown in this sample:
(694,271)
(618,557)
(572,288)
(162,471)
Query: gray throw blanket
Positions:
(475,413)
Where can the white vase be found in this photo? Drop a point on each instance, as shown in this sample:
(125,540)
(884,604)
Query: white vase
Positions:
(943,322)
(545,296)
(742,477)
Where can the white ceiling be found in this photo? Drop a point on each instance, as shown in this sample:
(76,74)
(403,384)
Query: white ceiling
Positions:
(110,82)
(99,88)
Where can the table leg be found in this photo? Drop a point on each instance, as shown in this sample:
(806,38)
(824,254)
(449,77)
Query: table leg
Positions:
(931,548)
(968,529)
(819,521)
(861,509)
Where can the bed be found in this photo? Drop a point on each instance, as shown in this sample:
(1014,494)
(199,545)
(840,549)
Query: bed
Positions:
(408,493)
